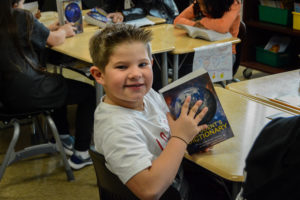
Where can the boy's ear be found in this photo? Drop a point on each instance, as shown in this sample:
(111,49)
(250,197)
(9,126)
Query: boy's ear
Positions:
(97,74)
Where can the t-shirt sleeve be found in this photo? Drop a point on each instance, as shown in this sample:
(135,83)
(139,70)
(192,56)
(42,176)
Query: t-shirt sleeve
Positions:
(125,151)
(40,34)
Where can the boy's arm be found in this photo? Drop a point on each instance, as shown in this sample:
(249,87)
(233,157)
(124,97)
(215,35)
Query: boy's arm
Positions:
(151,183)
(224,23)
(58,37)
(186,17)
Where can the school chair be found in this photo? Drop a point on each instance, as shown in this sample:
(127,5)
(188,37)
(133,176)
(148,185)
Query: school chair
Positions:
(110,186)
(15,119)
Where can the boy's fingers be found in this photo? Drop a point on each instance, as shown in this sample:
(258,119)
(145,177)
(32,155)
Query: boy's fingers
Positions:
(194,109)
(202,114)
(185,106)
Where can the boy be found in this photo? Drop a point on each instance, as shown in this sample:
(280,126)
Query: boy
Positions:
(141,143)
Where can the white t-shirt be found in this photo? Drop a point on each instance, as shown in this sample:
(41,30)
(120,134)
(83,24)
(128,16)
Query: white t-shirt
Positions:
(129,139)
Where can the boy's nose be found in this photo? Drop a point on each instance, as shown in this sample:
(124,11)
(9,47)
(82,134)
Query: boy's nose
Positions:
(135,72)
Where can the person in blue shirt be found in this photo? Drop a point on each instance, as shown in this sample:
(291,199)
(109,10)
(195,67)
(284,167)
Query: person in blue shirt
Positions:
(26,87)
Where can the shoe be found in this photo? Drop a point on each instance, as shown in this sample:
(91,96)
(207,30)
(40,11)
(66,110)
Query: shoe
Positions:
(68,144)
(235,80)
(76,162)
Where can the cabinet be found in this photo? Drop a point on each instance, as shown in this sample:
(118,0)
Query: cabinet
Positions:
(259,33)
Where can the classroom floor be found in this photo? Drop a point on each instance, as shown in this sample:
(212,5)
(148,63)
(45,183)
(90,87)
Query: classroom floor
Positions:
(43,177)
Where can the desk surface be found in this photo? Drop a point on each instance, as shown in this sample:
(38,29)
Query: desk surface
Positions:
(185,44)
(247,118)
(50,17)
(165,38)
(271,86)
(78,46)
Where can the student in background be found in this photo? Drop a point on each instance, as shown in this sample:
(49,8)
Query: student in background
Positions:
(20,4)
(25,87)
(142,144)
(126,10)
(218,15)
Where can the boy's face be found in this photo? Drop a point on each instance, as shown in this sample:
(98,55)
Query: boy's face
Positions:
(127,77)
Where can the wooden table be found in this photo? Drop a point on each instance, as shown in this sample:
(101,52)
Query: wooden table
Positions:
(50,17)
(185,44)
(78,47)
(267,88)
(247,118)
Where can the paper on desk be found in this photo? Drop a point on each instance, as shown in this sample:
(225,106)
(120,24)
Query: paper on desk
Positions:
(33,7)
(141,22)
(216,59)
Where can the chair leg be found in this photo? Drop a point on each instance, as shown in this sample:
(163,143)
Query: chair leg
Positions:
(10,154)
(60,148)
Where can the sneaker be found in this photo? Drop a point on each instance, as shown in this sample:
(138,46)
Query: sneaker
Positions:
(76,162)
(68,144)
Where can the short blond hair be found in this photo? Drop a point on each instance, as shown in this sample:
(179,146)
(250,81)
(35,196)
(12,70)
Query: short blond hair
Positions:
(102,44)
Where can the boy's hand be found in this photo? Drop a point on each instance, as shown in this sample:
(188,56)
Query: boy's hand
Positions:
(116,17)
(54,26)
(69,29)
(186,126)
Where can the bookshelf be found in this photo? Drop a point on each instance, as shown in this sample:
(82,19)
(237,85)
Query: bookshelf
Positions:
(258,33)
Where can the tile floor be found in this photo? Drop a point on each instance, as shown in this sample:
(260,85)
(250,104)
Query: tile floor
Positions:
(43,177)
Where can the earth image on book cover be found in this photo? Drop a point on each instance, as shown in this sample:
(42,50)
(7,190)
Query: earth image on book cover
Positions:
(73,12)
(201,88)
(196,93)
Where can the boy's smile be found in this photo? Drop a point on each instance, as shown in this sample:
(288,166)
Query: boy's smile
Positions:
(128,75)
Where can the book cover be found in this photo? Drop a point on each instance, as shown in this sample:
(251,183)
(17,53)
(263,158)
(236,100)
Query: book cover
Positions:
(198,85)
(141,22)
(70,11)
(203,33)
(97,17)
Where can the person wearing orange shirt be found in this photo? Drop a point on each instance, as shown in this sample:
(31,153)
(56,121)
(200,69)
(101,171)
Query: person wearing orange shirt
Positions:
(220,16)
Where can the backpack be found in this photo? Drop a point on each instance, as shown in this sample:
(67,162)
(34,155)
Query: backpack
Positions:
(272,168)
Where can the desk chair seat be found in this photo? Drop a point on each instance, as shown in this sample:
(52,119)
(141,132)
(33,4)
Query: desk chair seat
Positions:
(110,186)
(12,156)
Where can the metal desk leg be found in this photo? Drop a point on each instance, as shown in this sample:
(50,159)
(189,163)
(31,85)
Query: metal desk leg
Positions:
(236,187)
(164,69)
(99,92)
(175,66)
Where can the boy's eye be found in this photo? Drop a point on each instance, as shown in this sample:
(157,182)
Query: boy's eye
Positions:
(144,64)
(121,67)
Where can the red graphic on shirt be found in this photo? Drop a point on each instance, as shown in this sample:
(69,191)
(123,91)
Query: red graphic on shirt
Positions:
(164,137)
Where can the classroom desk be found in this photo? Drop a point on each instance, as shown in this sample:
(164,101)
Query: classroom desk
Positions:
(246,118)
(78,47)
(270,87)
(50,17)
(185,44)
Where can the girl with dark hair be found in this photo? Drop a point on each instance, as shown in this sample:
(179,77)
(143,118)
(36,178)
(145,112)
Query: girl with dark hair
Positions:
(25,87)
(218,15)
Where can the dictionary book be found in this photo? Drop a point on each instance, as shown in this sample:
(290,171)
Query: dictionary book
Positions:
(198,85)
(70,11)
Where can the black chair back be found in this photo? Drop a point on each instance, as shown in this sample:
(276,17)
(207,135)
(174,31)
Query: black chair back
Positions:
(110,186)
